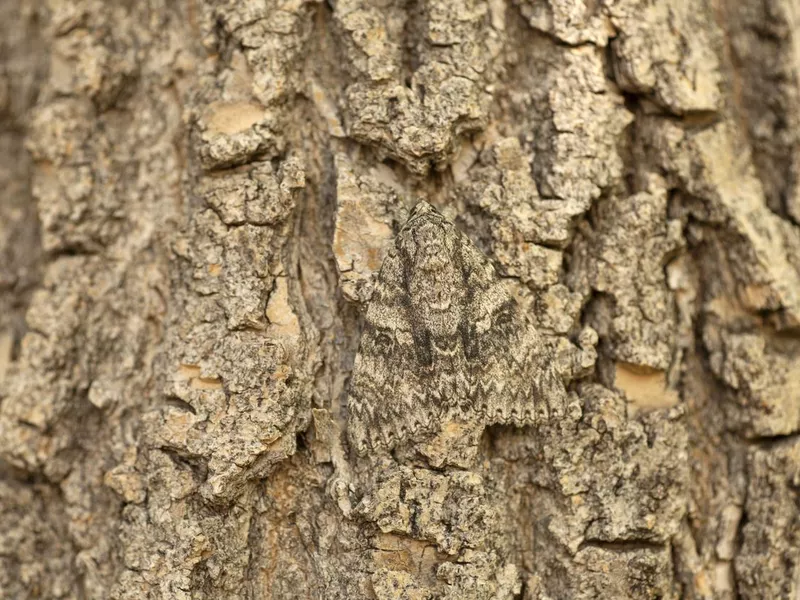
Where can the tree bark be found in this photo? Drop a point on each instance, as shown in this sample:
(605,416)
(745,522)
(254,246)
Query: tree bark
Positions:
(197,198)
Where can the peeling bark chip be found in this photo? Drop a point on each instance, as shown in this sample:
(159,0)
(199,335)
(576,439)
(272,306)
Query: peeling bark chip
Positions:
(444,342)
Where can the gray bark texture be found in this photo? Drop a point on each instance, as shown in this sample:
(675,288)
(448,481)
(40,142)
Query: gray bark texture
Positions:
(577,375)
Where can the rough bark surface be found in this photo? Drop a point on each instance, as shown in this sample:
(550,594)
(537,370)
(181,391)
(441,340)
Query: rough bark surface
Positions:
(196,200)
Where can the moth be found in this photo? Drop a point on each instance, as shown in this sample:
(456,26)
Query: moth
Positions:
(444,341)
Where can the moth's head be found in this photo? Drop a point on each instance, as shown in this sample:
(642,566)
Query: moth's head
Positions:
(427,242)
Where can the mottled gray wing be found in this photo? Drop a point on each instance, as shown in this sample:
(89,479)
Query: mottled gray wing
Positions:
(443,340)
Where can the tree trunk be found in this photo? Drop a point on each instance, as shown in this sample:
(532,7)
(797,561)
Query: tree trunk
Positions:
(576,376)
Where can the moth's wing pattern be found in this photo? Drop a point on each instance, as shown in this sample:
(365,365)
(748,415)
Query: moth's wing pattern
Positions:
(443,340)
(534,390)
(386,397)
(515,374)
(410,368)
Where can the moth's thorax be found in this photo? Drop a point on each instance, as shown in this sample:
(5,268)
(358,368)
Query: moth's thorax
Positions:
(434,280)
(438,295)
(428,246)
